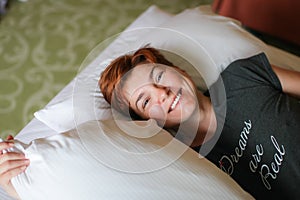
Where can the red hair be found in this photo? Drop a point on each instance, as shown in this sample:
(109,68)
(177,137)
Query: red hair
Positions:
(111,76)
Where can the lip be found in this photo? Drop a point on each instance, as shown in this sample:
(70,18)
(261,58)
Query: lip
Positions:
(175,101)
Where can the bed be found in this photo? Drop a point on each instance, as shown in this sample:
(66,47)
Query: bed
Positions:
(70,120)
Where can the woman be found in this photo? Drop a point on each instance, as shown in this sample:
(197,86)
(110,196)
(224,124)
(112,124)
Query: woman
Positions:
(257,139)
(258,134)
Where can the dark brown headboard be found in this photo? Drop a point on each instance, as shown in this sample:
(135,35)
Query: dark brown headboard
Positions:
(278,18)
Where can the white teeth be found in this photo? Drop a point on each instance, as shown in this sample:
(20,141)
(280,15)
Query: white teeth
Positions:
(175,101)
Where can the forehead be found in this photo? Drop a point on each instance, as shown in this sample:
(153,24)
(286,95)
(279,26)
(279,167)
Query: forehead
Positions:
(138,77)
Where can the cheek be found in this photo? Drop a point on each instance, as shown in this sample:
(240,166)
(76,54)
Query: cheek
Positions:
(156,112)
(187,107)
(175,78)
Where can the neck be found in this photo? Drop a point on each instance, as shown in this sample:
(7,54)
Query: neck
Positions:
(201,126)
(207,123)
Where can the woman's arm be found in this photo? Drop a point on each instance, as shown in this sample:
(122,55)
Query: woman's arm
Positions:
(290,80)
(11,164)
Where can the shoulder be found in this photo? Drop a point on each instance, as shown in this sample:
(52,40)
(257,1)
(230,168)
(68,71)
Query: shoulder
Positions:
(255,69)
(256,62)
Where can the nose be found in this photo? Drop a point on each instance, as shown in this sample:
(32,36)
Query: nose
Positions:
(161,94)
(158,109)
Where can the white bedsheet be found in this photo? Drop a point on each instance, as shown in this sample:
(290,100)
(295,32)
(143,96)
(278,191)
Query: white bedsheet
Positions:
(99,160)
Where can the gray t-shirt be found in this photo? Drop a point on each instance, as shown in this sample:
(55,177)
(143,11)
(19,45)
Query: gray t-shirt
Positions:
(259,142)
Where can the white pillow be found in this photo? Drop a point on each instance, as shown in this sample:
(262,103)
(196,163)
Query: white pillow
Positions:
(81,100)
(99,160)
(207,41)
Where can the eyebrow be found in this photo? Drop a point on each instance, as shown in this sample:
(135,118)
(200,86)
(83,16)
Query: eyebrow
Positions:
(151,73)
(142,94)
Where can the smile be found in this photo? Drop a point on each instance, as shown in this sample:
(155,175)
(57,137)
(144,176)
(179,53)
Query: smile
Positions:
(176,100)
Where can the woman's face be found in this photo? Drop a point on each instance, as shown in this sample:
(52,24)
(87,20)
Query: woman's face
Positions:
(160,92)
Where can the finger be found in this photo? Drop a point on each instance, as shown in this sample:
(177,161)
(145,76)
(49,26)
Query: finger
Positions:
(11,156)
(6,145)
(7,176)
(12,164)
(10,137)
